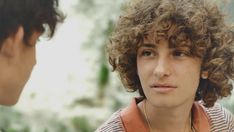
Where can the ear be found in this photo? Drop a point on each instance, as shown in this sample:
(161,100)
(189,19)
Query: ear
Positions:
(204,74)
(10,45)
(34,37)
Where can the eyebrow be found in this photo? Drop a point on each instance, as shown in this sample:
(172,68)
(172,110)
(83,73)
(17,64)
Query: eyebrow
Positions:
(148,45)
(151,45)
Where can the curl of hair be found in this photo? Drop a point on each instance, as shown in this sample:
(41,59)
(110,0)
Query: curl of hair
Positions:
(33,15)
(196,20)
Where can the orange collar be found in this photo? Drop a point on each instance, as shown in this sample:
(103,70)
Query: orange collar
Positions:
(133,121)
(201,121)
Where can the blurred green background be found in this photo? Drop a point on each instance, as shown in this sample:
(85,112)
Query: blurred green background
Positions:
(72,88)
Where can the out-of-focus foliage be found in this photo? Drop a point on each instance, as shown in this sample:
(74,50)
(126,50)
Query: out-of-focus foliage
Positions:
(42,121)
(81,124)
(7,116)
(104,13)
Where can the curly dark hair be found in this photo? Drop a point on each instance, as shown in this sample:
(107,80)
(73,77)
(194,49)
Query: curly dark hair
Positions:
(196,20)
(32,15)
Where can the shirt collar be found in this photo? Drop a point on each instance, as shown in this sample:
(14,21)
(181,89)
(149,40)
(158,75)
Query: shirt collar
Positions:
(201,121)
(133,120)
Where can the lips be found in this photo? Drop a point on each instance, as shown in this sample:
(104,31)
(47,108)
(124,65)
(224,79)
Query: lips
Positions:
(163,88)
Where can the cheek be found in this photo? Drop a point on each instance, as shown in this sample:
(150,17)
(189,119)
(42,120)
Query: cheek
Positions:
(192,77)
(32,57)
(143,69)
(194,80)
(145,73)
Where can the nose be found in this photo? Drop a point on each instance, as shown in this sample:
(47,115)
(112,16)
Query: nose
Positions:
(162,68)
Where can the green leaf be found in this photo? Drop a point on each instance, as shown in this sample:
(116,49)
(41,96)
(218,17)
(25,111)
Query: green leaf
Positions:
(103,76)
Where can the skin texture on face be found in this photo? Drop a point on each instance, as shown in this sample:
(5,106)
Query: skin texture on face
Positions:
(17,60)
(169,76)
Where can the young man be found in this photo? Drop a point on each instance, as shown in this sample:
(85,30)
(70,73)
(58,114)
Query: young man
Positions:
(21,23)
(179,55)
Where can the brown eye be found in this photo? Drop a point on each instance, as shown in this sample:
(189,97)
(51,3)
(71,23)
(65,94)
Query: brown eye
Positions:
(146,53)
(180,53)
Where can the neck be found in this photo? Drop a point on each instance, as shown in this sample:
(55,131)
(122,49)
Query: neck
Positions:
(167,119)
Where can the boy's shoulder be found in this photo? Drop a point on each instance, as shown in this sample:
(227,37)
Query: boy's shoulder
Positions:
(220,118)
(113,124)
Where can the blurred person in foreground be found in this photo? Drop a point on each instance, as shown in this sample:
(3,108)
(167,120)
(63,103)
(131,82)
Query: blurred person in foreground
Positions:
(179,56)
(22,22)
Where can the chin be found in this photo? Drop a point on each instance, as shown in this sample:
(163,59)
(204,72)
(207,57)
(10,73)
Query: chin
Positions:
(9,101)
(165,104)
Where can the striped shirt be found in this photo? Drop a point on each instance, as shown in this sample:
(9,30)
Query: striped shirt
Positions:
(221,120)
(218,119)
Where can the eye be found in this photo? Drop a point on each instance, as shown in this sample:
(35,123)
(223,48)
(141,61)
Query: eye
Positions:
(146,53)
(180,53)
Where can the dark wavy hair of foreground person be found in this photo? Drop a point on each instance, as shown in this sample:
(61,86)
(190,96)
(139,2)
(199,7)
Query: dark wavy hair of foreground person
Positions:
(196,21)
(33,15)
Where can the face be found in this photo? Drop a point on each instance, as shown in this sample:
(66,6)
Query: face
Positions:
(15,68)
(169,76)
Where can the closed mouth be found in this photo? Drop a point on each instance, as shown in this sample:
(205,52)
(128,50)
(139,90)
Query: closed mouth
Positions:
(162,86)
